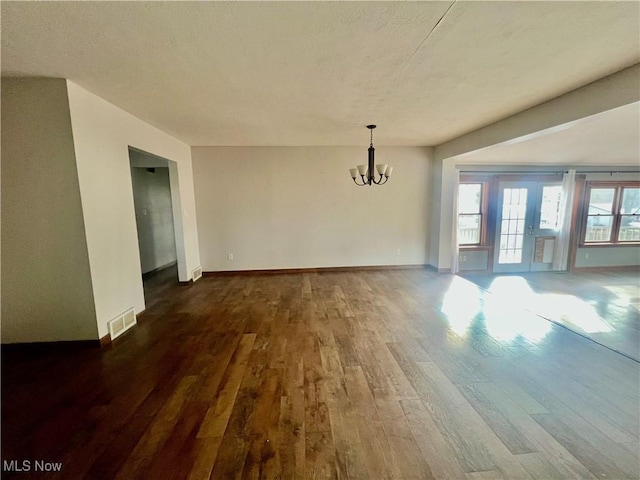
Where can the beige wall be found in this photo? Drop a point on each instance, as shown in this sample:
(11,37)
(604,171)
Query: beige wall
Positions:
(435,198)
(102,134)
(297,207)
(46,283)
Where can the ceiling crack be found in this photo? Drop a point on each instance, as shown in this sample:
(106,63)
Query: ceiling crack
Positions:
(425,39)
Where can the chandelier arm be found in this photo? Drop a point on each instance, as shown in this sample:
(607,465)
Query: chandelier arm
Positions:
(385,181)
(359,184)
(379,182)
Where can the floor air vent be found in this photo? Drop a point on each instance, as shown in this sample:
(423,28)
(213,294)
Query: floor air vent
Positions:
(196,274)
(122,323)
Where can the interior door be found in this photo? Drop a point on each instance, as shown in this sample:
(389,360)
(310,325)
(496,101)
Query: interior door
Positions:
(526,229)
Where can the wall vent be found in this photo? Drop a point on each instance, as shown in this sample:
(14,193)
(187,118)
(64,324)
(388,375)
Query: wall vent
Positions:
(196,274)
(122,323)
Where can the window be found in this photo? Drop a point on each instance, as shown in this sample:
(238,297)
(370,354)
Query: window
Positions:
(613,214)
(470,213)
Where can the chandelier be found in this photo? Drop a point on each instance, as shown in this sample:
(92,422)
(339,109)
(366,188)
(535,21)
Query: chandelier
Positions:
(367,172)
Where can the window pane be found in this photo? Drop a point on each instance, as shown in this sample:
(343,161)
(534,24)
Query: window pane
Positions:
(469,229)
(550,207)
(601,201)
(629,228)
(630,201)
(469,197)
(599,228)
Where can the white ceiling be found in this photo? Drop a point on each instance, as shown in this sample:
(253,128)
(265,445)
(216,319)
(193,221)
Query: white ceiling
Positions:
(608,138)
(315,73)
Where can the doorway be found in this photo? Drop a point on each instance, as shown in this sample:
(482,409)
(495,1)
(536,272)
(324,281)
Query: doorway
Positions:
(156,201)
(527,225)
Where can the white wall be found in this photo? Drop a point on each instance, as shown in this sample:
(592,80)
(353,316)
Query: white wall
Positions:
(297,207)
(154,217)
(102,134)
(46,283)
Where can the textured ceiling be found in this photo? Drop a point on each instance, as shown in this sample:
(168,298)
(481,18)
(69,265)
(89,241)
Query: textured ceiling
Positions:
(609,138)
(315,73)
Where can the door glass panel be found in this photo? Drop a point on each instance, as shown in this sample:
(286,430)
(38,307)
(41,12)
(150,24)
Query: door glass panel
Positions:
(514,208)
(550,207)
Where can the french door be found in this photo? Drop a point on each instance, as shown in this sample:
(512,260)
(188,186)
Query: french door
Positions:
(527,226)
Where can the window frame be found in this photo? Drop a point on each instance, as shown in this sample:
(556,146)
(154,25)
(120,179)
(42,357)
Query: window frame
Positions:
(618,188)
(484,202)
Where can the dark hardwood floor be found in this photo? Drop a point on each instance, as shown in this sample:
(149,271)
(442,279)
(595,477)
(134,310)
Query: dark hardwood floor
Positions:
(603,306)
(400,374)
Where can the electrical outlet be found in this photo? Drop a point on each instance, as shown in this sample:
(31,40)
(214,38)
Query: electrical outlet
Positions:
(586,254)
(397,251)
(230,256)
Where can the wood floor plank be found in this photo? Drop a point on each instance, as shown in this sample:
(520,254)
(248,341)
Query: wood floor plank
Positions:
(319,456)
(616,424)
(292,438)
(467,447)
(586,444)
(438,453)
(158,432)
(555,455)
(316,410)
(330,375)
(403,448)
(495,418)
(176,457)
(475,441)
(374,441)
(211,430)
(215,422)
(237,436)
(540,467)
(263,457)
